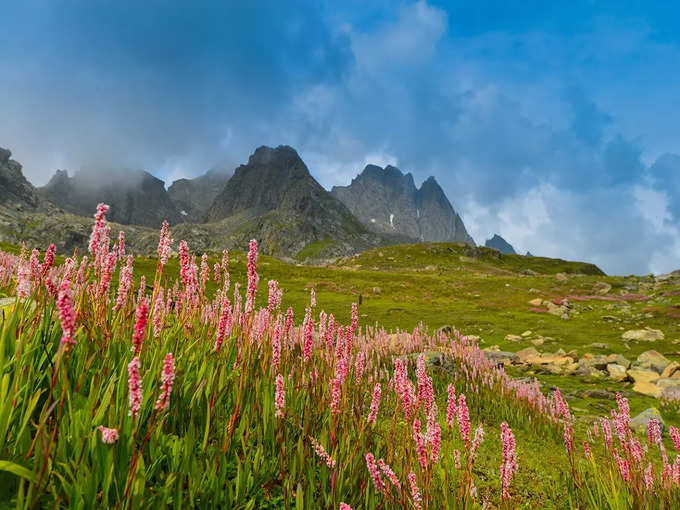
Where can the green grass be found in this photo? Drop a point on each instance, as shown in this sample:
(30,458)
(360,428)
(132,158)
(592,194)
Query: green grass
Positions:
(314,249)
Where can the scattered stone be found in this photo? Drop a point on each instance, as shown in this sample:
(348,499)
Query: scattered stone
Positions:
(665,382)
(599,345)
(589,371)
(616,372)
(536,302)
(526,334)
(504,357)
(671,369)
(528,272)
(640,423)
(513,338)
(647,388)
(619,359)
(561,277)
(538,341)
(599,393)
(643,335)
(652,360)
(610,318)
(597,361)
(643,375)
(527,353)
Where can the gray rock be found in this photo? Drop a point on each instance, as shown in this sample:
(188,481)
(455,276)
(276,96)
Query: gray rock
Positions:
(500,244)
(640,423)
(652,360)
(643,335)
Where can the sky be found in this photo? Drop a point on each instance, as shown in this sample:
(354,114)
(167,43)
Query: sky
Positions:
(553,124)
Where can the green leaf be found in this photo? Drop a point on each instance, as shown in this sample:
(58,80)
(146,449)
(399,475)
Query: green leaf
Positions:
(18,470)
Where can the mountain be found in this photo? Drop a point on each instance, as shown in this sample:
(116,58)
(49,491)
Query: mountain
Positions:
(193,197)
(136,197)
(500,244)
(15,190)
(274,199)
(387,201)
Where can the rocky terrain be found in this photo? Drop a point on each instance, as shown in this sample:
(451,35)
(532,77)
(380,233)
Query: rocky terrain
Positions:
(15,191)
(500,244)
(193,197)
(387,201)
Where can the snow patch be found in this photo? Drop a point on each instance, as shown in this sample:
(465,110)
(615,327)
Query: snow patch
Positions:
(184,213)
(392,221)
(372,220)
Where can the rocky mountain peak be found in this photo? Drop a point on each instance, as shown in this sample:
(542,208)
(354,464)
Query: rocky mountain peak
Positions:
(387,201)
(500,244)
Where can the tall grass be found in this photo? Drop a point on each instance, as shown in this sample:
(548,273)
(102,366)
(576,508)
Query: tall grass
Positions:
(162,396)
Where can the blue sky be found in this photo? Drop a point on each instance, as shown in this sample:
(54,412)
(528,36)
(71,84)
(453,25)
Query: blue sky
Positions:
(553,124)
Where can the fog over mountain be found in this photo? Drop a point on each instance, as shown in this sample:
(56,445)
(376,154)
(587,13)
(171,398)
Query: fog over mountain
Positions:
(525,116)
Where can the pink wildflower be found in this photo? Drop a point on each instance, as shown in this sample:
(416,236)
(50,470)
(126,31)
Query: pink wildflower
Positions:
(98,229)
(279,397)
(415,492)
(167,381)
(276,345)
(509,462)
(675,436)
(222,325)
(387,471)
(321,452)
(134,387)
(308,337)
(654,431)
(451,406)
(463,419)
(67,315)
(344,506)
(48,260)
(375,474)
(109,436)
(375,403)
(476,441)
(421,448)
(312,297)
(121,245)
(358,366)
(252,277)
(23,288)
(164,245)
(649,479)
(142,317)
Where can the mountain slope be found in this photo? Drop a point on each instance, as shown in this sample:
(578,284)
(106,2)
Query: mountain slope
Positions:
(500,244)
(193,197)
(15,190)
(387,201)
(136,197)
(275,199)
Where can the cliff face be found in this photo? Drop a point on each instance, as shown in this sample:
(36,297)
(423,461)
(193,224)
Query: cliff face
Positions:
(136,197)
(274,199)
(387,201)
(193,197)
(15,190)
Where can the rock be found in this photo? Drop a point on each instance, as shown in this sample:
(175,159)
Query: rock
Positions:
(597,361)
(528,272)
(570,368)
(538,341)
(386,201)
(619,359)
(665,382)
(557,310)
(500,244)
(640,423)
(589,371)
(599,345)
(561,277)
(672,368)
(504,357)
(643,375)
(526,334)
(536,302)
(616,372)
(643,335)
(652,360)
(513,338)
(610,318)
(527,353)
(599,393)
(647,388)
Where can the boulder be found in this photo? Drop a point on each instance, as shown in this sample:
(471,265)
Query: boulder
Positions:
(667,382)
(602,287)
(504,357)
(527,333)
(589,371)
(647,388)
(652,360)
(619,359)
(513,338)
(640,423)
(598,361)
(672,368)
(561,277)
(527,353)
(643,335)
(599,393)
(643,375)
(617,372)
(536,302)
(538,341)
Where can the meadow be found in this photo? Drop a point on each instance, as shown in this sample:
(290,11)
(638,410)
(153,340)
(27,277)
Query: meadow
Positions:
(240,381)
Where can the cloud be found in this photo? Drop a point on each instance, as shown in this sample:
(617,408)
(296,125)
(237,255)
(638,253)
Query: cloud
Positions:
(548,133)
